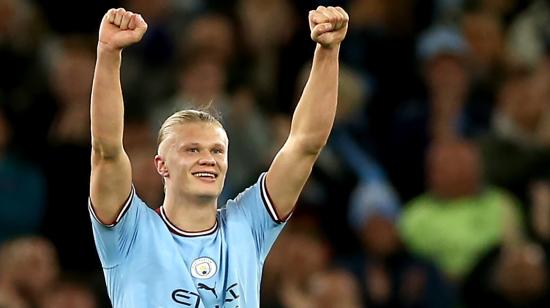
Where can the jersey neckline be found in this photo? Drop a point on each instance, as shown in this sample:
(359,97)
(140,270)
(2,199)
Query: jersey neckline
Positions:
(174,229)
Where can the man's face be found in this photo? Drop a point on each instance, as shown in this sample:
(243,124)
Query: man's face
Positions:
(447,74)
(195,156)
(454,170)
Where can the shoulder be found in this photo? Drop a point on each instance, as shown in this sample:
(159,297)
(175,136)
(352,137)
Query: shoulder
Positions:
(255,193)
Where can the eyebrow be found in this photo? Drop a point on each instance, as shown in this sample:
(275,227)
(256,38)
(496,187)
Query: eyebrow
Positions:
(217,144)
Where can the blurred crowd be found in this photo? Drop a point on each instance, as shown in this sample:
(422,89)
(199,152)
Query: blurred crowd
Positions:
(433,190)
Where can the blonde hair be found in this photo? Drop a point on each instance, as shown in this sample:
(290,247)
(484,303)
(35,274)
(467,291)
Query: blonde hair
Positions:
(186,116)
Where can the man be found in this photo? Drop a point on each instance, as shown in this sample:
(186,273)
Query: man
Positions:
(189,253)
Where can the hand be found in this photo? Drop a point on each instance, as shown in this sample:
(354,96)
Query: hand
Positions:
(120,28)
(328,25)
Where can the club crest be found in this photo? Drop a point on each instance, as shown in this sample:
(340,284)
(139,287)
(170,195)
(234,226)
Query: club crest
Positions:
(203,268)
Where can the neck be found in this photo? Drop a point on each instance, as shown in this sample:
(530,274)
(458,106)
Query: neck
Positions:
(190,214)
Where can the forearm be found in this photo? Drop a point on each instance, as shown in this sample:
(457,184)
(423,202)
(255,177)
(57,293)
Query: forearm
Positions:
(315,112)
(107,107)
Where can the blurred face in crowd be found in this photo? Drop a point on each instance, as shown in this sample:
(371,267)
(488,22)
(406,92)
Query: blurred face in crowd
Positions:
(69,295)
(212,34)
(203,80)
(256,18)
(485,37)
(306,252)
(71,76)
(446,77)
(195,159)
(15,17)
(519,100)
(31,263)
(525,264)
(336,288)
(454,169)
(380,237)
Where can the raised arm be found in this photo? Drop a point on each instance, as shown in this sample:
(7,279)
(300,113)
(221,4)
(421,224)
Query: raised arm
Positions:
(314,115)
(111,177)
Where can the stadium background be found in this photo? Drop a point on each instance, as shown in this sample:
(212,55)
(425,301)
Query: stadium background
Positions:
(433,191)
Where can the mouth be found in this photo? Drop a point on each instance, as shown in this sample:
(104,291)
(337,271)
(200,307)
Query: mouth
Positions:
(205,175)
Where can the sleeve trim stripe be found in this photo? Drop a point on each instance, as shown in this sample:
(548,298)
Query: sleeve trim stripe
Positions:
(268,202)
(120,215)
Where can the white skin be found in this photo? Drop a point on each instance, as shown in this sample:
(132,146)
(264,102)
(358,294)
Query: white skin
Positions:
(190,200)
(190,151)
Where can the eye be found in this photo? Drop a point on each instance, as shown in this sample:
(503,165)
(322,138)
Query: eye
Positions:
(217,151)
(193,150)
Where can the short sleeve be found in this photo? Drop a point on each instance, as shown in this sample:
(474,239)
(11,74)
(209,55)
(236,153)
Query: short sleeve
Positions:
(255,206)
(114,241)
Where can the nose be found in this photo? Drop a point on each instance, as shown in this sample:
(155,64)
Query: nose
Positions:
(207,160)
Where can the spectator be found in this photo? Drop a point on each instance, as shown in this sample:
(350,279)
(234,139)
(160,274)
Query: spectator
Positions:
(264,41)
(28,268)
(69,294)
(336,288)
(484,33)
(519,130)
(291,271)
(330,288)
(447,111)
(510,276)
(389,275)
(459,218)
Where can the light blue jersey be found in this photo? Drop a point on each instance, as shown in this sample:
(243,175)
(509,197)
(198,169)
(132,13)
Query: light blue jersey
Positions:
(149,262)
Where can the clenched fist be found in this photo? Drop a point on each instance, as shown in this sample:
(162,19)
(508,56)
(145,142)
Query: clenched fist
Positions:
(120,28)
(328,25)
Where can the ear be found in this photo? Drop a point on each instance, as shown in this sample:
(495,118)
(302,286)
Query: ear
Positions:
(160,164)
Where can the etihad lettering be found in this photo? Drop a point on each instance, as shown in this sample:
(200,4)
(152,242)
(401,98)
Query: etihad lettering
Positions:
(191,299)
(186,298)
